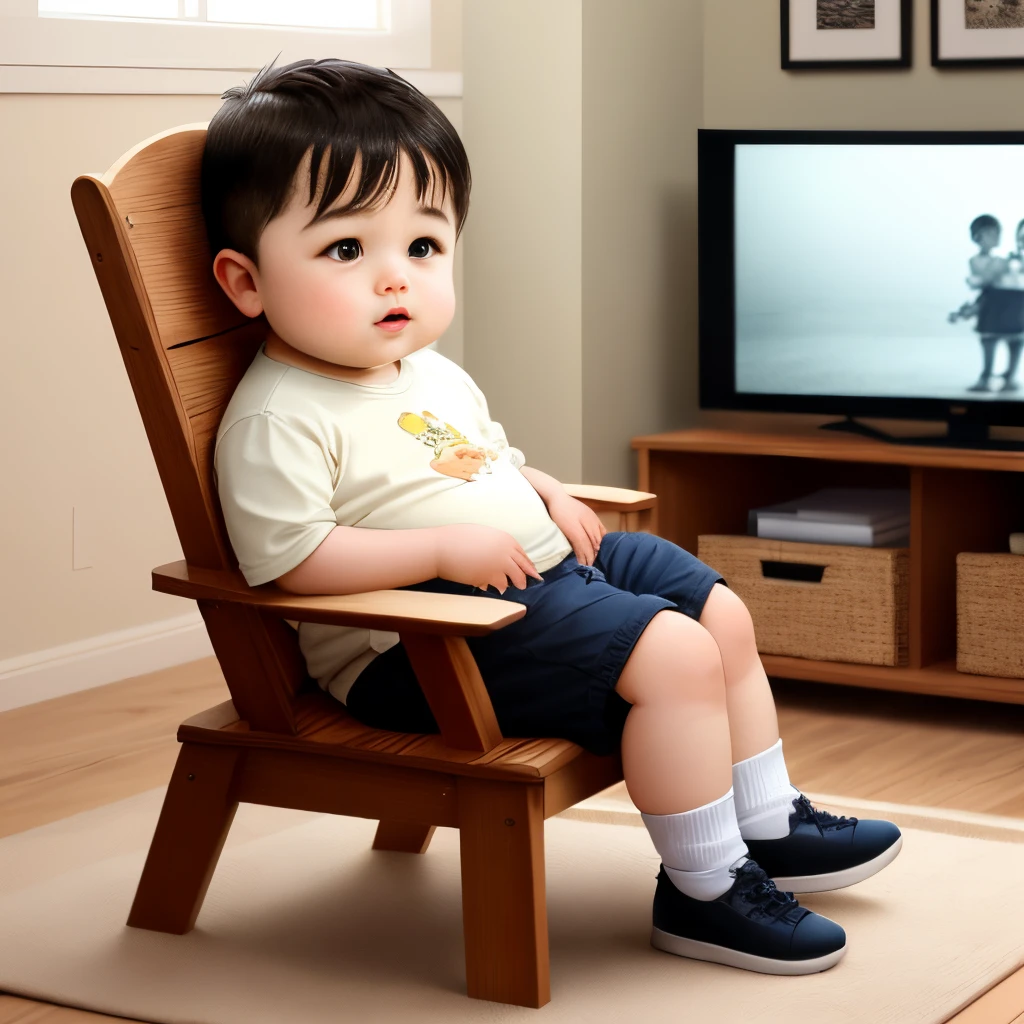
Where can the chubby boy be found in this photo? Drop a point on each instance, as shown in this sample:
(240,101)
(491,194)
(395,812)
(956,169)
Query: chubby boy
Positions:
(353,457)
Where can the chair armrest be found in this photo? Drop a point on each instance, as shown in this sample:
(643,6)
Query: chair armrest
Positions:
(398,611)
(612,499)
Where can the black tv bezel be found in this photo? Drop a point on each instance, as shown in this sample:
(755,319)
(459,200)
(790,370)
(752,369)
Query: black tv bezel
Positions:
(716,268)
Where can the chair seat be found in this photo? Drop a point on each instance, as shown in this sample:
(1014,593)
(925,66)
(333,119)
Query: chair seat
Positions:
(325,727)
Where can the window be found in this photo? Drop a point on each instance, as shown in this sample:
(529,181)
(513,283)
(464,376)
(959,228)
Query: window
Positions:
(189,46)
(344,14)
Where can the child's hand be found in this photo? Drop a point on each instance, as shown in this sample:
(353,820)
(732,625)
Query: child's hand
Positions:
(965,312)
(581,525)
(482,556)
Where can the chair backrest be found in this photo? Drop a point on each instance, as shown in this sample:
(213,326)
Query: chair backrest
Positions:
(185,347)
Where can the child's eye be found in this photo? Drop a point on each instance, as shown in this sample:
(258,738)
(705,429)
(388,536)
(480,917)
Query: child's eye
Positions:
(420,249)
(349,249)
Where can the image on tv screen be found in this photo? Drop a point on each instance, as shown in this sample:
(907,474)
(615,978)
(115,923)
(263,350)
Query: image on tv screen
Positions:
(880,270)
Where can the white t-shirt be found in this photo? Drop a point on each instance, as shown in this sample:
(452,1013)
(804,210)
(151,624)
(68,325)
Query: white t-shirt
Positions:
(298,453)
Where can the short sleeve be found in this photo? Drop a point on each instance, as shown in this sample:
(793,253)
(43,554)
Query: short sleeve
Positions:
(494,432)
(275,481)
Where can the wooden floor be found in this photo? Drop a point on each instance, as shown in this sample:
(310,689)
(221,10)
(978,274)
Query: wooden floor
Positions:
(91,748)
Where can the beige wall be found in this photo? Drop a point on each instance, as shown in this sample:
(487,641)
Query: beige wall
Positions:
(580,251)
(73,432)
(522,130)
(641,110)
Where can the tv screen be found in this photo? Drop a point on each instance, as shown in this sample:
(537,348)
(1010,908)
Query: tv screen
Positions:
(863,273)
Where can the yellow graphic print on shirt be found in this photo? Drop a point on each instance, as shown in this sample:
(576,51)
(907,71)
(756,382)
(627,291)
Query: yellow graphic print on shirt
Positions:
(454,454)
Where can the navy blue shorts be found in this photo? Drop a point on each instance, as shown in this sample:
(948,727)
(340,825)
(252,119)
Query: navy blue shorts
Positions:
(553,672)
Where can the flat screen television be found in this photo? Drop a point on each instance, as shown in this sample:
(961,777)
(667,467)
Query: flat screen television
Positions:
(864,274)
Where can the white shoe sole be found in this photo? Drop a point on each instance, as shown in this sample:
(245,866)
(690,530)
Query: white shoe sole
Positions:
(839,879)
(696,950)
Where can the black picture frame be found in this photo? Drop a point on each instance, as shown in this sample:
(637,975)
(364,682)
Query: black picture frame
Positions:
(903,61)
(965,62)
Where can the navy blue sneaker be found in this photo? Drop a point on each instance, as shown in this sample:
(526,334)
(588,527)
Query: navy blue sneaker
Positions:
(824,852)
(753,926)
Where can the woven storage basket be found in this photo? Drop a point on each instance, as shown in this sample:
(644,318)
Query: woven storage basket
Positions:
(829,602)
(990,614)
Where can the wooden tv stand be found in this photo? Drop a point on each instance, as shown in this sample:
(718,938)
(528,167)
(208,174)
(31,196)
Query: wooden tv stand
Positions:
(960,500)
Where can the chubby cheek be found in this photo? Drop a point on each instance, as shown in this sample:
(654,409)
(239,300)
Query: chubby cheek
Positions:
(306,305)
(440,305)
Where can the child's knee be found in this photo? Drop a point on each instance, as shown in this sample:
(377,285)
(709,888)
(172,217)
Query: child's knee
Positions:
(674,659)
(727,618)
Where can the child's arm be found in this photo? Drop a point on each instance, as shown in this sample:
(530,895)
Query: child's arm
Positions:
(985,270)
(353,560)
(965,312)
(546,486)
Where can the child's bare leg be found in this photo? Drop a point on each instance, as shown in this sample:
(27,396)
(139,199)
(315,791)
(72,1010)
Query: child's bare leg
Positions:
(988,350)
(1015,342)
(676,750)
(753,722)
(763,793)
(676,753)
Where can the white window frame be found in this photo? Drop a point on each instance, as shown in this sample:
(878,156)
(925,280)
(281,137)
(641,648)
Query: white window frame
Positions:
(46,53)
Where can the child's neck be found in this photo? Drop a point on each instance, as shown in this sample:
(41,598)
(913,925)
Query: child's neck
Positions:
(280,351)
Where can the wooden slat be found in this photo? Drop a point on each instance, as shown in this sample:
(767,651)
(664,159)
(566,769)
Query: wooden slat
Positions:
(581,778)
(451,682)
(163,417)
(612,499)
(407,611)
(252,649)
(306,782)
(326,729)
(155,187)
(403,836)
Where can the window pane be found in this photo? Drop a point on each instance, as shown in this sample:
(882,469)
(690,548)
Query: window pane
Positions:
(307,13)
(112,8)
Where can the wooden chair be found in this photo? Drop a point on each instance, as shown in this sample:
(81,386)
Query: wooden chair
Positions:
(280,740)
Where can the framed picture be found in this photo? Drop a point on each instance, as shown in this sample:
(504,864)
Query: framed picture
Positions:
(839,34)
(977,33)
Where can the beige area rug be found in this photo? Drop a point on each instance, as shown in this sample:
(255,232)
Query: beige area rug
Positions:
(304,923)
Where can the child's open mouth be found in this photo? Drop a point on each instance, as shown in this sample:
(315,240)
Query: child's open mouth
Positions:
(394,321)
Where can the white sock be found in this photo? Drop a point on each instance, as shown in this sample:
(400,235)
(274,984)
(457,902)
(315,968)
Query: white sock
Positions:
(699,847)
(764,796)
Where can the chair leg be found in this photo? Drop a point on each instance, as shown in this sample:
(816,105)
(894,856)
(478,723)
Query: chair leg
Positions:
(403,836)
(504,902)
(190,834)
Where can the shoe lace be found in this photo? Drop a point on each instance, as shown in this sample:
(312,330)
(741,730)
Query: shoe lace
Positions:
(823,819)
(759,889)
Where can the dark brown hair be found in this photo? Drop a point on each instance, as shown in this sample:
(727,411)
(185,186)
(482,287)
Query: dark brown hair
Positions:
(257,139)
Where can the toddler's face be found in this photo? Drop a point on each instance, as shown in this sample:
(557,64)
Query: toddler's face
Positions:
(987,238)
(326,288)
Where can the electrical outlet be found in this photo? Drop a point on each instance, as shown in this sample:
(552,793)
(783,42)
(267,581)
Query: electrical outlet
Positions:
(83,537)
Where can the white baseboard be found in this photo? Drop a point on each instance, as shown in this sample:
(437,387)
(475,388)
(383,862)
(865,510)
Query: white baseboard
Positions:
(99,660)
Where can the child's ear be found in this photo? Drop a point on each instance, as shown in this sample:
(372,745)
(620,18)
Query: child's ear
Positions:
(237,275)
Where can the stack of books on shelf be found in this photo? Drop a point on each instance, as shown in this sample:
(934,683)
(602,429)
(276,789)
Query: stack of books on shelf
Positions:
(866,517)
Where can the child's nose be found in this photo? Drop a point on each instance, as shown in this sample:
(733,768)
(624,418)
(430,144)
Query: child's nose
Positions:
(392,278)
